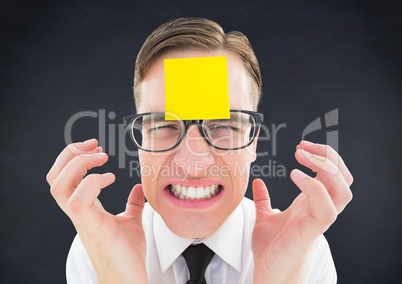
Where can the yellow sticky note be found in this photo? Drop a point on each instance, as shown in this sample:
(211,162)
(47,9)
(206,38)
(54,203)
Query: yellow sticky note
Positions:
(197,88)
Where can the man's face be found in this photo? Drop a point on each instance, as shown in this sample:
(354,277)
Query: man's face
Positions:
(194,164)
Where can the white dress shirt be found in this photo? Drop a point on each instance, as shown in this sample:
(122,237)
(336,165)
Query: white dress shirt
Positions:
(231,264)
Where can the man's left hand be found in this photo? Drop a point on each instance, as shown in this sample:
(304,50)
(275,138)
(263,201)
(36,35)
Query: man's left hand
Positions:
(282,242)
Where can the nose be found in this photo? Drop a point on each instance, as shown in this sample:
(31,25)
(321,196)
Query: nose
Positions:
(194,153)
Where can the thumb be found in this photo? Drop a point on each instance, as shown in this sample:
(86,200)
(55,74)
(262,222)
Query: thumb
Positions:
(261,198)
(135,202)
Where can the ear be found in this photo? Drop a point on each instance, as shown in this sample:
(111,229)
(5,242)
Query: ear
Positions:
(253,146)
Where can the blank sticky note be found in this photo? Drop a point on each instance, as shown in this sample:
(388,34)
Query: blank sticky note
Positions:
(197,88)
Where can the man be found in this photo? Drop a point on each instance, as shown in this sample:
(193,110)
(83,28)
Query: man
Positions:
(250,242)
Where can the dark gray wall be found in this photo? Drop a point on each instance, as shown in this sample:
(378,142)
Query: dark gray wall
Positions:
(62,57)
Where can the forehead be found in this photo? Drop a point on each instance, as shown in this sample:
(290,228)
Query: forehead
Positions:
(152,87)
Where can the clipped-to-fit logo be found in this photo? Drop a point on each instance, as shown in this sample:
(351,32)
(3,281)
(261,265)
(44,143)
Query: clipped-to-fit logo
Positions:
(329,123)
(113,137)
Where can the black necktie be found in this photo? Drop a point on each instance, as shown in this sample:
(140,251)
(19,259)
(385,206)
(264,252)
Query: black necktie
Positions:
(197,258)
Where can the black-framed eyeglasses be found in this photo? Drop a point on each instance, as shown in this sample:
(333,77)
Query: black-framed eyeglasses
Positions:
(153,133)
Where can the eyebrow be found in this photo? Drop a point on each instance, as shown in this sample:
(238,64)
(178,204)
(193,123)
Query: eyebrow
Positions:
(235,116)
(159,117)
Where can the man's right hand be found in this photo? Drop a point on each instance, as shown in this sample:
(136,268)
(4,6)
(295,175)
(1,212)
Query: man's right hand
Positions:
(115,244)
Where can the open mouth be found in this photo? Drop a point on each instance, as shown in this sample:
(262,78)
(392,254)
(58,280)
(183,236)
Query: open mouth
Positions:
(189,192)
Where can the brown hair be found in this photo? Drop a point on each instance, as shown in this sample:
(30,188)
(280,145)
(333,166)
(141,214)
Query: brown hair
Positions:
(198,34)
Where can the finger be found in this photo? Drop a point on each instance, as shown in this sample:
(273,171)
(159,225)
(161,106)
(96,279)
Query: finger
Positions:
(335,184)
(135,202)
(317,163)
(329,153)
(72,174)
(89,189)
(322,210)
(82,204)
(68,153)
(261,198)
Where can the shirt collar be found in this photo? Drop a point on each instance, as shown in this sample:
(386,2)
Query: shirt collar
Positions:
(226,242)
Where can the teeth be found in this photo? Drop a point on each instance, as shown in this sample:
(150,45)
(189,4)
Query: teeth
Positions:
(191,192)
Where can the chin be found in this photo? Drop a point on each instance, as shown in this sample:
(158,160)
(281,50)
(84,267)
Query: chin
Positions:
(194,225)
